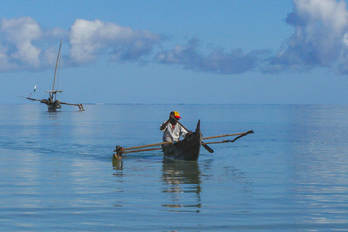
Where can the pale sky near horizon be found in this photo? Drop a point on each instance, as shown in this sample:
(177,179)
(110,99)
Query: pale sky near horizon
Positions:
(172,52)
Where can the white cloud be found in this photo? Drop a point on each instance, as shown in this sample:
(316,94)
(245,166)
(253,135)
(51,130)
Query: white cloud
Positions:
(320,39)
(25,45)
(345,39)
(217,61)
(319,36)
(17,35)
(20,29)
(89,39)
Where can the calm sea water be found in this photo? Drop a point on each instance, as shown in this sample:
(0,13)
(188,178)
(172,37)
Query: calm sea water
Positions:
(57,172)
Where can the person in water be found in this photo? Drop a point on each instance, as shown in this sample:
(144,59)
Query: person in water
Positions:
(172,130)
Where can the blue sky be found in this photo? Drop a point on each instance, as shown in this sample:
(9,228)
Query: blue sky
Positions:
(169,52)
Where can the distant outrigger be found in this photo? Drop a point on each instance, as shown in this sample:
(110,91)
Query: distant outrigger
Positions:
(52,103)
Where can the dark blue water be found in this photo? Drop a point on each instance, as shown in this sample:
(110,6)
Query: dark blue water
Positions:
(57,172)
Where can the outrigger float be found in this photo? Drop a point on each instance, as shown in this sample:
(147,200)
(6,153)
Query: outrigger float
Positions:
(187,149)
(52,103)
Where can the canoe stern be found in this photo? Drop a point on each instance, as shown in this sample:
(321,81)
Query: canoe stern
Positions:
(186,149)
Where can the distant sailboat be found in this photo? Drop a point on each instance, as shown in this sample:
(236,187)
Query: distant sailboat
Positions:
(52,103)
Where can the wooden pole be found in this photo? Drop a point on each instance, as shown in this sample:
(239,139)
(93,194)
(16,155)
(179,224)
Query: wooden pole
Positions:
(149,149)
(149,145)
(182,126)
(236,134)
(120,150)
(55,70)
(224,141)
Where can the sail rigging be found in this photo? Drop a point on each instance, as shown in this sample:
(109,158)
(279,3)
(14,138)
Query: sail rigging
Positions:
(52,103)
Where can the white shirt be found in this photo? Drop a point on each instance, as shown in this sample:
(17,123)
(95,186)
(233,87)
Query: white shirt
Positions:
(170,134)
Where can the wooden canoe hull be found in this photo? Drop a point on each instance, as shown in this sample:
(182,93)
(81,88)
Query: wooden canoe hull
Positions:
(186,149)
(51,105)
(54,106)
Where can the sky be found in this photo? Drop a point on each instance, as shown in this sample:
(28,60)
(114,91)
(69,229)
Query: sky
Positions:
(176,52)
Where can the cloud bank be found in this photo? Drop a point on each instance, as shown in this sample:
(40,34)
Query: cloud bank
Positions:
(25,45)
(16,47)
(89,39)
(218,61)
(320,39)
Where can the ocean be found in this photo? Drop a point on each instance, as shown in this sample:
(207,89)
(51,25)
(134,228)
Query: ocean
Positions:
(57,171)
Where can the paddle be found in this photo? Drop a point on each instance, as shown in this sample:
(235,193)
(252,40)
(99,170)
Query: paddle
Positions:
(207,148)
(204,145)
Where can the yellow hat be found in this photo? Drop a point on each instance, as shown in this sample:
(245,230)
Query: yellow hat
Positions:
(176,114)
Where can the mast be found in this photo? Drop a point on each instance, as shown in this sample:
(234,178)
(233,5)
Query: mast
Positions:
(55,71)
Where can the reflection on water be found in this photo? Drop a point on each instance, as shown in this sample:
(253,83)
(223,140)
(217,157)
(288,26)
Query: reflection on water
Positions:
(290,176)
(182,183)
(51,115)
(118,166)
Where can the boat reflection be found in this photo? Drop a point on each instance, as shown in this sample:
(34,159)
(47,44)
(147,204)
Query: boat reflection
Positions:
(118,166)
(182,181)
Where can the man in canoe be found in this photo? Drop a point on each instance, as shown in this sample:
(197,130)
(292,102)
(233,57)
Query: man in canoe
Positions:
(172,130)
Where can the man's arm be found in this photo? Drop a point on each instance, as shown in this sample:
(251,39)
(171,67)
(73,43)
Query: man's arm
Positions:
(164,125)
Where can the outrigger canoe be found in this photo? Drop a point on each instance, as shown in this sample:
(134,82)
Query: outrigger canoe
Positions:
(52,103)
(186,149)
